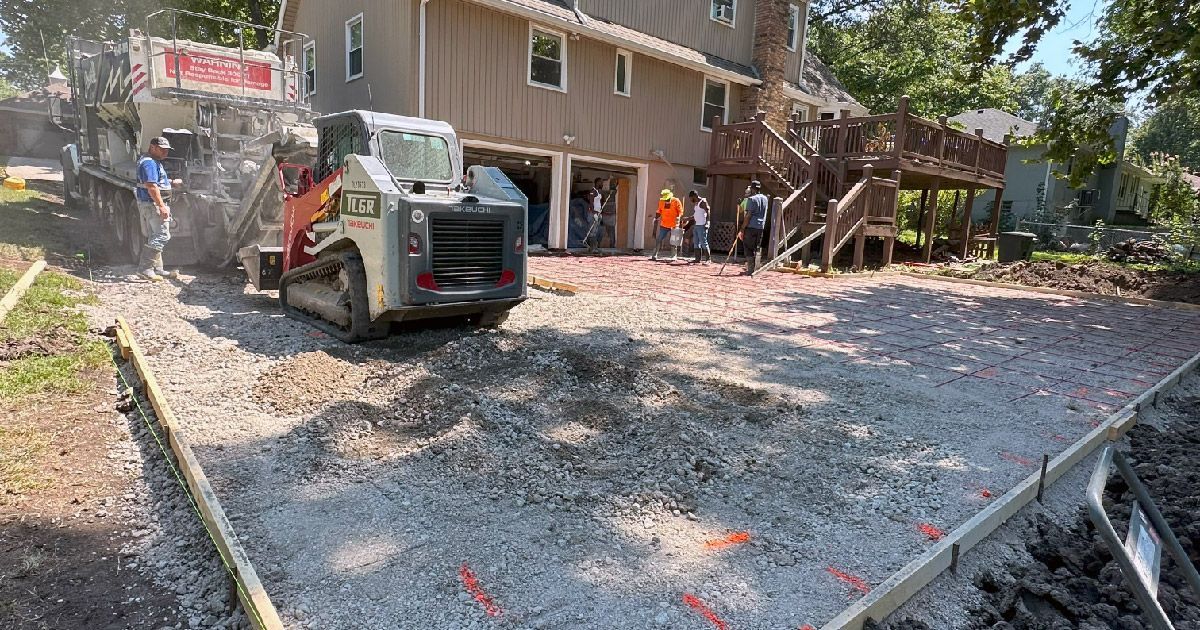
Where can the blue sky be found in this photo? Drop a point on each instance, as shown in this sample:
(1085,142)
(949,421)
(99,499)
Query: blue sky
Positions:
(1054,50)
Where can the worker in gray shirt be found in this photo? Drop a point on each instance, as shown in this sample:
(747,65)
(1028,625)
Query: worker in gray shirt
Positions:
(754,223)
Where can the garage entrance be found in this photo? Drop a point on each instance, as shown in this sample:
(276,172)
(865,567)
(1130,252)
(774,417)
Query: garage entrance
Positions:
(618,210)
(533,175)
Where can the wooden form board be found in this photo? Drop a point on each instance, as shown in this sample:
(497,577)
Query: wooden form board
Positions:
(254,598)
(553,285)
(897,589)
(23,283)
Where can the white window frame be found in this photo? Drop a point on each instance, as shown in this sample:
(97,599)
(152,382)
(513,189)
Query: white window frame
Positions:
(358,19)
(310,86)
(562,38)
(794,24)
(732,9)
(704,95)
(800,107)
(628,57)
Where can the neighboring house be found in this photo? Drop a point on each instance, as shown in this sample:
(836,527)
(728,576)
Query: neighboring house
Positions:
(559,92)
(1118,193)
(25,127)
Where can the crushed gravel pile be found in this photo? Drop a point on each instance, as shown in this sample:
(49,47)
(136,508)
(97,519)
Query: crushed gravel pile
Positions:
(307,380)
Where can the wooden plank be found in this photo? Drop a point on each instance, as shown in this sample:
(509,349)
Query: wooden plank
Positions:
(902,585)
(251,593)
(23,283)
(553,285)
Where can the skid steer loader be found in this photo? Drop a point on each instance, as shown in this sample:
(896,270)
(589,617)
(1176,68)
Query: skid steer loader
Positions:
(385,227)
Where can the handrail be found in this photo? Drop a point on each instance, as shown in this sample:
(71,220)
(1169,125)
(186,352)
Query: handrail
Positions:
(872,197)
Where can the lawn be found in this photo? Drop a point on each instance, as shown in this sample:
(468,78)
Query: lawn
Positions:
(32,227)
(1174,266)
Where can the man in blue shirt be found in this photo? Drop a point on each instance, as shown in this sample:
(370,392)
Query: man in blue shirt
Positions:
(752,227)
(154,187)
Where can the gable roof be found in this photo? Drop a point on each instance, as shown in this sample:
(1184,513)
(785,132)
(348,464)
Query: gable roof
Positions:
(557,13)
(996,123)
(819,81)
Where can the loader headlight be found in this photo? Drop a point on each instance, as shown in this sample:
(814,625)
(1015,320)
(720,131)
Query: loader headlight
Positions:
(414,244)
(519,244)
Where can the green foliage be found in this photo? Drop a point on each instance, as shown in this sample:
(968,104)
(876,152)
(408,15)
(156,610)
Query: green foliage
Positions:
(1099,233)
(1078,133)
(1035,89)
(1174,202)
(1150,46)
(1174,129)
(914,47)
(36,31)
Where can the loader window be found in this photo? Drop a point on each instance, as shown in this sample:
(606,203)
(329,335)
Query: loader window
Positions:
(415,157)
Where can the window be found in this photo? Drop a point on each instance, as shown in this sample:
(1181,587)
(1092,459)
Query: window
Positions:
(354,47)
(716,103)
(415,157)
(793,23)
(622,73)
(310,68)
(800,109)
(723,11)
(828,115)
(700,176)
(546,56)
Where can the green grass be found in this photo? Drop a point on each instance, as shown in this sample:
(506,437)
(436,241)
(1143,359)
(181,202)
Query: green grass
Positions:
(50,304)
(32,227)
(1172,266)
(8,277)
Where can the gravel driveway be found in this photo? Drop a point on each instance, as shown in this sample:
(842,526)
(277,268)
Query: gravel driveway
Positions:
(662,447)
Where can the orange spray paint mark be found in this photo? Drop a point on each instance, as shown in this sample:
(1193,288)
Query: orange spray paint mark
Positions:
(705,611)
(472,585)
(807,626)
(736,538)
(853,580)
(1016,459)
(930,531)
(985,493)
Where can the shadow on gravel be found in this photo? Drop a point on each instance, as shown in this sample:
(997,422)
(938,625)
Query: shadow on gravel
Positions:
(585,472)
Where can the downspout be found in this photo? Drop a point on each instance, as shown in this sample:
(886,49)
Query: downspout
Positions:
(579,15)
(803,45)
(421,63)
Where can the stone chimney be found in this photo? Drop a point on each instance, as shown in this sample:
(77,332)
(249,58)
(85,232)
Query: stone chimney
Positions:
(770,60)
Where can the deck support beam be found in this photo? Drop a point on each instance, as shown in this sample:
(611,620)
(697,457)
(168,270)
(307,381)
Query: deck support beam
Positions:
(968,208)
(931,218)
(995,222)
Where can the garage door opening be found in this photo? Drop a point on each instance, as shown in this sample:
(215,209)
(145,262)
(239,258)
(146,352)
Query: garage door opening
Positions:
(533,175)
(618,204)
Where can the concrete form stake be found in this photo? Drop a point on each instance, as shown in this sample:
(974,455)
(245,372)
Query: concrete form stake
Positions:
(1042,478)
(954,558)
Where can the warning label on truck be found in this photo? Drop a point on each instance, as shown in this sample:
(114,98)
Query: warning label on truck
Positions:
(207,68)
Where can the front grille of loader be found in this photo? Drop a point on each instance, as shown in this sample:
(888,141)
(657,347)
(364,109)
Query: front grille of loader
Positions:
(467,252)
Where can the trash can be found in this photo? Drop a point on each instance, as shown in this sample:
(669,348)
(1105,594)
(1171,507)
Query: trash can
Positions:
(1014,246)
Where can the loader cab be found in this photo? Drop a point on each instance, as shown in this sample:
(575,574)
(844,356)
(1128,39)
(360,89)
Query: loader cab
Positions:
(421,155)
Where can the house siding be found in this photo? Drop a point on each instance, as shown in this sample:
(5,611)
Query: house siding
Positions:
(475,51)
(685,22)
(792,65)
(389,59)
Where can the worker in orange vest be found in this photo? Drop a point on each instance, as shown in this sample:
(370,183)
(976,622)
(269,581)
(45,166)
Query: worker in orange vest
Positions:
(670,209)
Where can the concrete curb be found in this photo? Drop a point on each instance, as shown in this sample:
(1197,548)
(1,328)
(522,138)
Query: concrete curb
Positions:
(1184,306)
(255,602)
(23,283)
(897,589)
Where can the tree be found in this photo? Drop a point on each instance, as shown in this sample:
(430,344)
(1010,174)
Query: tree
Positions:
(1174,129)
(36,31)
(914,47)
(1150,46)
(1174,202)
(1034,91)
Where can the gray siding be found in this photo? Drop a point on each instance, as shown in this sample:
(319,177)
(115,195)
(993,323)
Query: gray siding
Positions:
(389,59)
(685,22)
(478,82)
(792,68)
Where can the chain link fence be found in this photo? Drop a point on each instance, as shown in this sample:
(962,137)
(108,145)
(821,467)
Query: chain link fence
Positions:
(1086,238)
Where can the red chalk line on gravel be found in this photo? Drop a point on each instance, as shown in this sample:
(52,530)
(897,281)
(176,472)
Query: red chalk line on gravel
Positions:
(931,532)
(471,583)
(858,583)
(735,538)
(706,612)
(1016,459)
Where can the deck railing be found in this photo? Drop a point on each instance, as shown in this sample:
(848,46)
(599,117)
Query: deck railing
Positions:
(903,136)
(753,146)
(871,200)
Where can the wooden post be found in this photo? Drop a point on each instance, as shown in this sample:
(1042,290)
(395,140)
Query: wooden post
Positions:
(921,210)
(931,218)
(777,226)
(978,147)
(831,212)
(995,223)
(968,209)
(860,244)
(889,242)
(940,143)
(954,226)
(901,126)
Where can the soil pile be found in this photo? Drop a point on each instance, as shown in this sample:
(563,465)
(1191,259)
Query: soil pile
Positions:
(1072,580)
(1095,277)
(307,381)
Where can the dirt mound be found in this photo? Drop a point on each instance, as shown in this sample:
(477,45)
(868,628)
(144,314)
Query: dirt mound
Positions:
(1095,277)
(307,381)
(56,341)
(1072,580)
